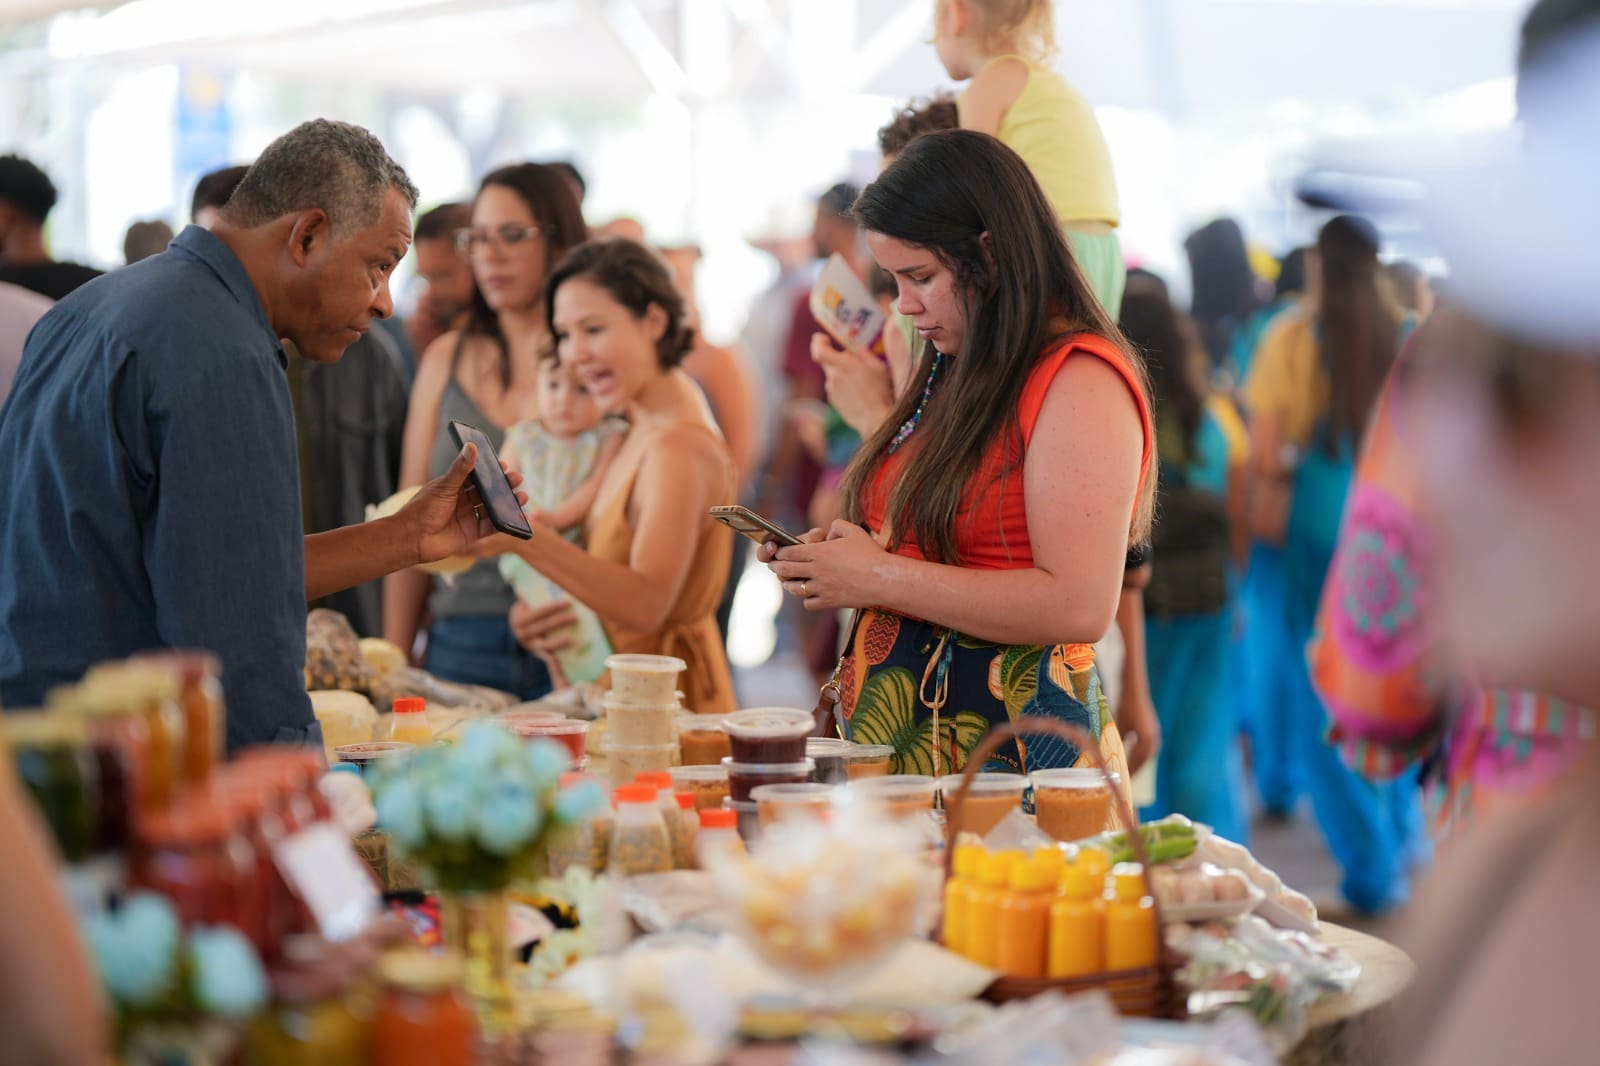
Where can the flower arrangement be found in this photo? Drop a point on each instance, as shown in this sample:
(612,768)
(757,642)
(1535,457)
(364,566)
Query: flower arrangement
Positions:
(158,978)
(479,813)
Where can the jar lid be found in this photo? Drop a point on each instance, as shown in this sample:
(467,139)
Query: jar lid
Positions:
(646,664)
(1080,777)
(685,800)
(42,729)
(719,819)
(635,794)
(769,722)
(986,783)
(803,768)
(656,779)
(825,747)
(416,970)
(191,664)
(712,772)
(869,752)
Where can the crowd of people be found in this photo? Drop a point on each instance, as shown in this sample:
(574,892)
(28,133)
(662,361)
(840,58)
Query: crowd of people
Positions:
(1258,499)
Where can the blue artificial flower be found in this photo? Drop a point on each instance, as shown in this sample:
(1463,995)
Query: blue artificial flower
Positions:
(482,746)
(450,806)
(546,761)
(583,800)
(227,977)
(399,809)
(508,818)
(136,949)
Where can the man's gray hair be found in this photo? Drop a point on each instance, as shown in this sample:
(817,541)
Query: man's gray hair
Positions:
(335,166)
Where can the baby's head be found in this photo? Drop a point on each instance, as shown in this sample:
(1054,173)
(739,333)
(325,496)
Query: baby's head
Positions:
(565,407)
(968,33)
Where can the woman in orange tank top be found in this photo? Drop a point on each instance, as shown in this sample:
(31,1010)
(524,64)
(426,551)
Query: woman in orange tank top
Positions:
(656,562)
(989,518)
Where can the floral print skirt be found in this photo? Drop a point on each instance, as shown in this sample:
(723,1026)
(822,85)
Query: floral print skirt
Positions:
(896,668)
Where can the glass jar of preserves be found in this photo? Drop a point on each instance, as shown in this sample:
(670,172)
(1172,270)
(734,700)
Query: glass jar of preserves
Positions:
(199,676)
(53,762)
(152,693)
(120,747)
(262,825)
(197,859)
(422,1016)
(316,1017)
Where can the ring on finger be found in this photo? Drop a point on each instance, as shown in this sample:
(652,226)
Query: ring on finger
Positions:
(804,595)
(477,512)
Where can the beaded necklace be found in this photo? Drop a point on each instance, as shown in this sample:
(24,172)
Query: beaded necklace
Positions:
(909,426)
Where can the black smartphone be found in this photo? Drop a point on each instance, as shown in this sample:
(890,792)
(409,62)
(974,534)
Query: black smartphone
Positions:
(494,488)
(743,520)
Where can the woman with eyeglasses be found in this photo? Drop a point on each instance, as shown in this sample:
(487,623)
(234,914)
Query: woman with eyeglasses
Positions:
(524,219)
(1311,391)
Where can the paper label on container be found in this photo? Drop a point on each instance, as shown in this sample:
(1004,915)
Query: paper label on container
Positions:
(323,869)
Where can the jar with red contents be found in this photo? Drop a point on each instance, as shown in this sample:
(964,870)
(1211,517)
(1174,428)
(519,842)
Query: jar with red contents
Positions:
(195,858)
(262,824)
(119,744)
(153,694)
(199,676)
(422,1017)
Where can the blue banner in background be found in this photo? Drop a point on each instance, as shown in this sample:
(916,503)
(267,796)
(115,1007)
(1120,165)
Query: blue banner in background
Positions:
(202,139)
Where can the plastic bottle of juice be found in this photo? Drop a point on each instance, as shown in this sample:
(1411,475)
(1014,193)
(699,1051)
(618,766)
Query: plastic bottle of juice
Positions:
(1053,859)
(1078,924)
(410,723)
(1132,939)
(1024,926)
(958,892)
(983,914)
(719,833)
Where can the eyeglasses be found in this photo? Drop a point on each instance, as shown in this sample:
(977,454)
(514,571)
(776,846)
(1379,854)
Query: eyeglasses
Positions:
(507,236)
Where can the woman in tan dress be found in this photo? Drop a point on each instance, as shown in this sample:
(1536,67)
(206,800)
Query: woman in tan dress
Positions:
(656,563)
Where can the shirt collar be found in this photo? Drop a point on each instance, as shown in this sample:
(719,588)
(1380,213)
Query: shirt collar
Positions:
(208,248)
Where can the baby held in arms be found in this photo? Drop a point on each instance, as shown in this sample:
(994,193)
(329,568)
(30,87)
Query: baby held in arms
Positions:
(562,456)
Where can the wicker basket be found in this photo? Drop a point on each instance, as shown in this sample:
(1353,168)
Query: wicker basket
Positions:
(1149,992)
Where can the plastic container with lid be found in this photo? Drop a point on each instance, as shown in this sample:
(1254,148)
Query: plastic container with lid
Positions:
(632,725)
(719,832)
(410,724)
(645,680)
(868,760)
(1077,924)
(747,818)
(689,819)
(1023,930)
(902,795)
(1132,939)
(701,739)
(199,676)
(964,867)
(983,915)
(363,757)
(832,758)
(990,798)
(806,799)
(667,801)
(639,841)
(745,777)
(707,784)
(768,734)
(1071,804)
(624,763)
(570,733)
(422,1017)
(515,720)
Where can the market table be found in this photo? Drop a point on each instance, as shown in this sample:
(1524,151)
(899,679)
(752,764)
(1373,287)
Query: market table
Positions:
(1353,1028)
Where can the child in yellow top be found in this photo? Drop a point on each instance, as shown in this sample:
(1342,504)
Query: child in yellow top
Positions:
(1003,48)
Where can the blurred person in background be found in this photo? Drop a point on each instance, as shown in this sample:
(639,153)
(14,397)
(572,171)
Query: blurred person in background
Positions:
(1004,50)
(1491,742)
(485,374)
(19,309)
(1411,287)
(724,375)
(145,239)
(26,196)
(349,419)
(1311,394)
(1500,408)
(1261,648)
(574,177)
(656,561)
(1225,289)
(1005,489)
(446,276)
(1188,602)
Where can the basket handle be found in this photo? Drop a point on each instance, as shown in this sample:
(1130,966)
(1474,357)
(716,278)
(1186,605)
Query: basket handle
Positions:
(1031,725)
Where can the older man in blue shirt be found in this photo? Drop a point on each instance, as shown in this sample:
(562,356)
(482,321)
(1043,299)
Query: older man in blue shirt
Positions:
(149,483)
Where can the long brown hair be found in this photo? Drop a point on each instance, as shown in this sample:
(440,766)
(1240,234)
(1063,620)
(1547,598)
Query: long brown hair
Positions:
(946,192)
(555,211)
(1359,325)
